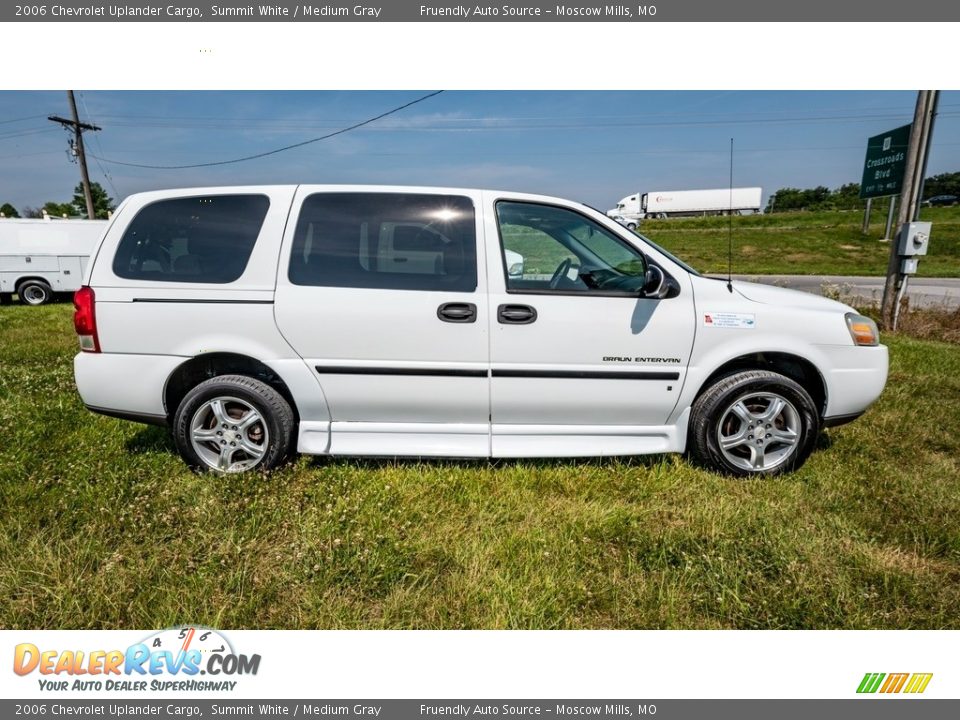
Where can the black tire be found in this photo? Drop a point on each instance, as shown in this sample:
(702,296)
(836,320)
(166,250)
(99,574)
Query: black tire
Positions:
(6,298)
(34,292)
(631,226)
(715,405)
(276,418)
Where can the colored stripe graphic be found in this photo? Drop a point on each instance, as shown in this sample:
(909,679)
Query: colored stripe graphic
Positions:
(918,683)
(870,682)
(894,682)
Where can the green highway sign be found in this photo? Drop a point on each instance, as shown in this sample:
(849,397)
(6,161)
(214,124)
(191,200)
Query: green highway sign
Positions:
(885,162)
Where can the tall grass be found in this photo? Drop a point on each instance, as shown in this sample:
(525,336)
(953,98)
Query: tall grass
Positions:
(103,527)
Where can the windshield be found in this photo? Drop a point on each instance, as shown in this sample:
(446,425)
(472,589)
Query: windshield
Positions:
(657,247)
(669,254)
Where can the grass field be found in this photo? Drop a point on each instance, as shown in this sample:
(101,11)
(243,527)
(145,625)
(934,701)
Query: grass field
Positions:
(103,527)
(804,243)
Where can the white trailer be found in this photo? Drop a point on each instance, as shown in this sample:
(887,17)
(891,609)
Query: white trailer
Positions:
(680,203)
(39,258)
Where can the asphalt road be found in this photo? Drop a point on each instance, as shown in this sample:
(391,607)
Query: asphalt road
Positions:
(853,289)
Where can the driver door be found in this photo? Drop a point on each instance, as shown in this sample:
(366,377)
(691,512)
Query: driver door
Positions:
(581,362)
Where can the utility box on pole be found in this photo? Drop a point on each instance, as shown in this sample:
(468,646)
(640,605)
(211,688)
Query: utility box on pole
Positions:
(914,239)
(912,243)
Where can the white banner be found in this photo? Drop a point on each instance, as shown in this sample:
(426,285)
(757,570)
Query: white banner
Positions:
(59,664)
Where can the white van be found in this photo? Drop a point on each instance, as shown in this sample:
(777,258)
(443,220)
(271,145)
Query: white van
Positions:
(409,321)
(42,257)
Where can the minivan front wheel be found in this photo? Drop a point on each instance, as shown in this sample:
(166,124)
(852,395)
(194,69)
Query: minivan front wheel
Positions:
(755,422)
(232,424)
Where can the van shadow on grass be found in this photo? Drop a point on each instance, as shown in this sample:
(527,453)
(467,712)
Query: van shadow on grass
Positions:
(378,463)
(151,439)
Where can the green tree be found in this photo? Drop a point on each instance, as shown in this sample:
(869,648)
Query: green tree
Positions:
(102,203)
(847,197)
(8,210)
(786,199)
(56,209)
(942,184)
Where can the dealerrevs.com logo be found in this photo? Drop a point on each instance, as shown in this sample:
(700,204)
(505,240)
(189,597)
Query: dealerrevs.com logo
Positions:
(171,659)
(910,683)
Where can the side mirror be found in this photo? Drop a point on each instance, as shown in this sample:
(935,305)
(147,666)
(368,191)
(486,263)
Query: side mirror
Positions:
(655,283)
(514,263)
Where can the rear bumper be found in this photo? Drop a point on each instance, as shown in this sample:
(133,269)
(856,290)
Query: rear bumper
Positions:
(144,418)
(125,386)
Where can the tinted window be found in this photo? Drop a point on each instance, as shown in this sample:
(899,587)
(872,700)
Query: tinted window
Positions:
(386,240)
(196,239)
(553,249)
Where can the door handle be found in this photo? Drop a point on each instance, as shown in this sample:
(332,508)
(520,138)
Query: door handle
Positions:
(516,314)
(457,312)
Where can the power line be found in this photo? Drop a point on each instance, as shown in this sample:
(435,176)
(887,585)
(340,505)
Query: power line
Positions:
(21,119)
(96,139)
(31,154)
(673,113)
(557,127)
(23,133)
(493,124)
(666,152)
(278,150)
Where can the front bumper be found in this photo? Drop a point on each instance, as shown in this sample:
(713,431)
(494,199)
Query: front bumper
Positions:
(855,377)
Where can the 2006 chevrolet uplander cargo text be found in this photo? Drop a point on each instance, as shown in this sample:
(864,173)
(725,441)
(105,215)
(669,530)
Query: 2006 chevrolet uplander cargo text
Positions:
(392,321)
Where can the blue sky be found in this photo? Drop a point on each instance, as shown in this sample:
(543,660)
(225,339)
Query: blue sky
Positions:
(591,146)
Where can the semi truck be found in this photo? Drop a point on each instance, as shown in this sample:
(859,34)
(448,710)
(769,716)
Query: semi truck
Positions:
(686,203)
(40,258)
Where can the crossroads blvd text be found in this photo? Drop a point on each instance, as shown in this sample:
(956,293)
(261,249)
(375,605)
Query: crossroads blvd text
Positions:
(519,12)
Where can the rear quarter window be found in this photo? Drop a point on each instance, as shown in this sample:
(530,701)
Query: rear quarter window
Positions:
(200,239)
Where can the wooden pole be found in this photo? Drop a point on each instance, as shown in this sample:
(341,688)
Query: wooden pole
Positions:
(908,201)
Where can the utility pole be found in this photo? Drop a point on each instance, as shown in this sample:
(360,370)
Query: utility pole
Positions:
(78,128)
(926,152)
(909,201)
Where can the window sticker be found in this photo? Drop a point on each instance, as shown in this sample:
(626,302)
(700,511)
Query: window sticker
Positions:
(729,320)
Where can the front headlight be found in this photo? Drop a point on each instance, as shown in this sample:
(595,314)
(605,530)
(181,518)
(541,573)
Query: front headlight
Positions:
(863,330)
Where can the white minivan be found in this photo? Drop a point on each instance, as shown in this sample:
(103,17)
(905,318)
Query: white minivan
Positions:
(417,321)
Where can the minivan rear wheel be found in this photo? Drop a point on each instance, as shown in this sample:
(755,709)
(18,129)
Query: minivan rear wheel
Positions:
(232,424)
(754,422)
